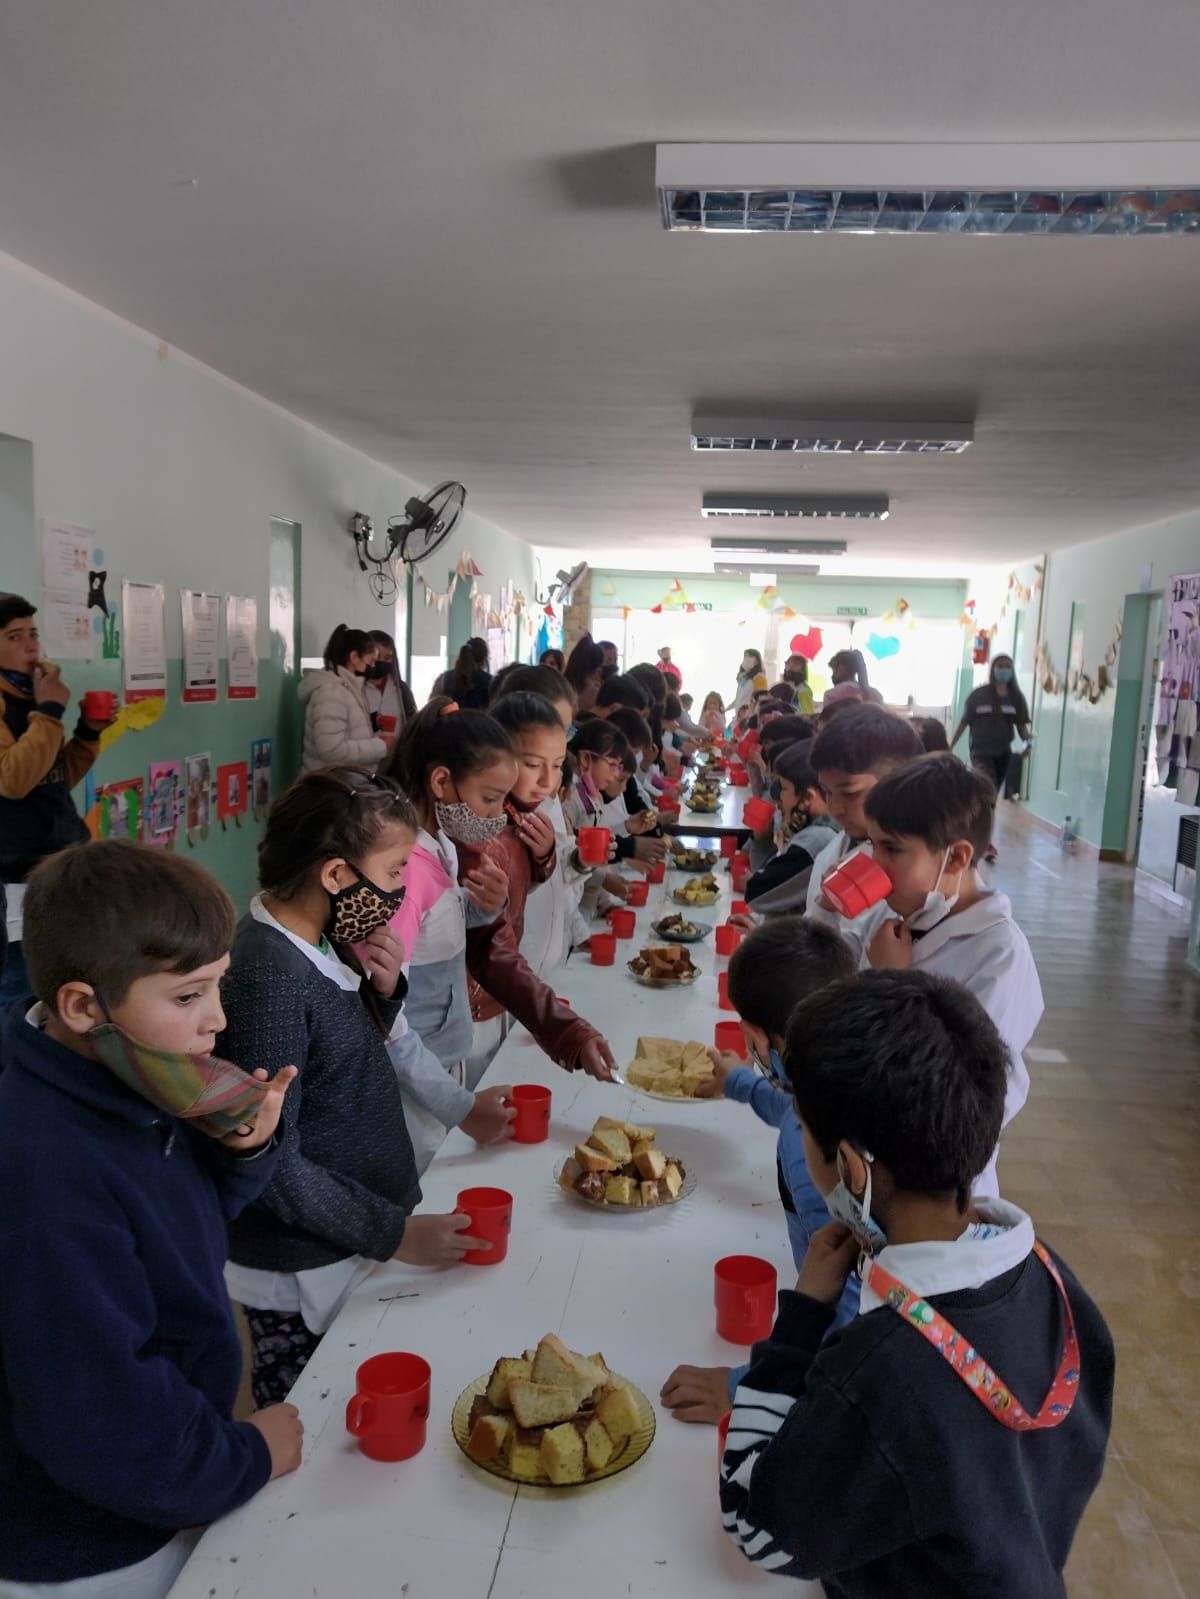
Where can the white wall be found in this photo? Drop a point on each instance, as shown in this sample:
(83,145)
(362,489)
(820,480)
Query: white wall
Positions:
(180,470)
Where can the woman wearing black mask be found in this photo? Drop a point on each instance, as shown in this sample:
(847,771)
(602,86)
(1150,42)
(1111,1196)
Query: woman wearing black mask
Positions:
(337,723)
(389,698)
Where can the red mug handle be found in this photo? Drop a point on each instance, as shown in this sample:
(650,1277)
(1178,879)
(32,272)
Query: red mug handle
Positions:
(359,1414)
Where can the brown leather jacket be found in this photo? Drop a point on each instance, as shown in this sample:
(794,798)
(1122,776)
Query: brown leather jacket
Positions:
(500,977)
(39,766)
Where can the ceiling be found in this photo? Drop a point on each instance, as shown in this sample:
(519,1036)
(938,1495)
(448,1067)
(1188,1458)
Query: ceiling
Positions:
(430,227)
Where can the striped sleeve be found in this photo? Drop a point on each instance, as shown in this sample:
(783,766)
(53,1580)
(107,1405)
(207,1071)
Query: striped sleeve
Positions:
(805,1490)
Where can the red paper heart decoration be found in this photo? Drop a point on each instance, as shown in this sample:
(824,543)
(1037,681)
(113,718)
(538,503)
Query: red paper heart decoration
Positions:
(656,610)
(807,644)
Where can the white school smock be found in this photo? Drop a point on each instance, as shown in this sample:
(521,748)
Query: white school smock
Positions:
(550,908)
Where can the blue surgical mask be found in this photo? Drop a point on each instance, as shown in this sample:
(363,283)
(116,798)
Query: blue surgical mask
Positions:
(772,1068)
(1003,674)
(856,1213)
(571,732)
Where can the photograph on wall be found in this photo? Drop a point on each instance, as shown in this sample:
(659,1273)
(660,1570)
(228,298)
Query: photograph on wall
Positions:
(260,777)
(198,778)
(164,791)
(233,784)
(1177,732)
(241,644)
(144,640)
(201,614)
(119,809)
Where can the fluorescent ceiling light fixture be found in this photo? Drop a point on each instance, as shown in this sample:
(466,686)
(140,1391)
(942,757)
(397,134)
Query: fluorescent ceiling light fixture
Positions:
(763,579)
(784,507)
(1132,188)
(811,437)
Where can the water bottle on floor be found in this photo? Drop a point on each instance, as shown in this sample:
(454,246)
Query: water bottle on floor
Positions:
(1070,836)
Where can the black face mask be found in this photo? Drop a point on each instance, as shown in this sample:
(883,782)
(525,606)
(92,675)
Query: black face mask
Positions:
(379,672)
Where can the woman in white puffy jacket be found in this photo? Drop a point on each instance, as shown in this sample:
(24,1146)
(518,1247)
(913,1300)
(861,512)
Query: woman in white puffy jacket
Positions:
(338,727)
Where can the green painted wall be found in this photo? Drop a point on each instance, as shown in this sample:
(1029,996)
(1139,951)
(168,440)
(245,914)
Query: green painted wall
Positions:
(818,596)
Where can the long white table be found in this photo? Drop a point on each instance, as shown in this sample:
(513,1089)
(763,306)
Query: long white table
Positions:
(707,824)
(639,1288)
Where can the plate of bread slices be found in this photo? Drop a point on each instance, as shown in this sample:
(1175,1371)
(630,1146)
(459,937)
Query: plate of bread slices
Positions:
(618,1168)
(553,1418)
(665,1068)
(664,966)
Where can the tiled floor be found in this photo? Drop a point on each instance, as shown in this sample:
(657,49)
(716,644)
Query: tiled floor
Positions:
(1106,1157)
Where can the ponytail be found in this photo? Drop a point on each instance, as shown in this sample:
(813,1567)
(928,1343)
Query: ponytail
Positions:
(343,643)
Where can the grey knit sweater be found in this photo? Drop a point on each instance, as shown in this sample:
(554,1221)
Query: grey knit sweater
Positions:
(346,1179)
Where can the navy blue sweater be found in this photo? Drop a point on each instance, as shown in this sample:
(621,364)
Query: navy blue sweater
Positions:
(119,1358)
(867,1463)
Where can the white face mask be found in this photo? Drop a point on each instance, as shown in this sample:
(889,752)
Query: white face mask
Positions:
(856,1213)
(937,905)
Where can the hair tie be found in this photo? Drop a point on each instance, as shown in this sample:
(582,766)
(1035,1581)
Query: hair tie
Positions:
(446,709)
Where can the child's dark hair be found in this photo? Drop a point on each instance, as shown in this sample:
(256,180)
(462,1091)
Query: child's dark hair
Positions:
(782,731)
(516,711)
(937,799)
(865,739)
(622,689)
(334,811)
(584,661)
(781,963)
(15,608)
(598,737)
(785,693)
(344,642)
(442,735)
(672,710)
(652,680)
(110,912)
(567,780)
(932,733)
(907,1067)
(543,680)
(634,726)
(794,763)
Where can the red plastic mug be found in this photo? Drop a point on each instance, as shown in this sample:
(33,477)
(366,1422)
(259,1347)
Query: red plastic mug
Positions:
(657,872)
(623,922)
(857,884)
(728,846)
(727,938)
(745,1298)
(723,999)
(748,745)
(490,1214)
(638,893)
(592,844)
(668,815)
(602,947)
(739,907)
(739,876)
(99,705)
(757,814)
(390,1407)
(730,1040)
(532,1122)
(739,777)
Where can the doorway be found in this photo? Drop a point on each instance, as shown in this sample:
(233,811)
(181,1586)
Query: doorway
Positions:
(283,620)
(1132,723)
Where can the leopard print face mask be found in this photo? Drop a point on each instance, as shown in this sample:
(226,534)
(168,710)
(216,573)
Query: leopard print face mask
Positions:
(360,909)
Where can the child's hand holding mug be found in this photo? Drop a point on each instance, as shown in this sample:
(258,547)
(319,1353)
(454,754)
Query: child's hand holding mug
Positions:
(714,1087)
(437,1241)
(698,1393)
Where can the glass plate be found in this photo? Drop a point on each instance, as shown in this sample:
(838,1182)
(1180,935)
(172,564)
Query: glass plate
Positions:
(662,982)
(703,929)
(689,1184)
(631,1451)
(708,859)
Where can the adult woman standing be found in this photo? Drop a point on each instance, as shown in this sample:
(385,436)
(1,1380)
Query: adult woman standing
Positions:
(991,713)
(389,699)
(751,676)
(849,673)
(468,682)
(795,672)
(337,723)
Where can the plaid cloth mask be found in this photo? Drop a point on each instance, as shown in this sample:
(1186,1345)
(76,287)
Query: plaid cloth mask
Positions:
(215,1095)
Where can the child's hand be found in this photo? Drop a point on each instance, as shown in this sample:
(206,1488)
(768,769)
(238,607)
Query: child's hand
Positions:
(743,919)
(486,886)
(597,1060)
(613,883)
(437,1241)
(382,954)
(829,1260)
(649,849)
(714,1087)
(491,1120)
(641,822)
(698,1393)
(250,1137)
(537,834)
(283,1434)
(892,946)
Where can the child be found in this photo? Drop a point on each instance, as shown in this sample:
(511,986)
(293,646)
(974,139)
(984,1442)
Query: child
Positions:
(890,1461)
(849,756)
(631,812)
(929,824)
(119,1357)
(781,886)
(523,845)
(598,752)
(770,972)
(712,715)
(431,1041)
(331,867)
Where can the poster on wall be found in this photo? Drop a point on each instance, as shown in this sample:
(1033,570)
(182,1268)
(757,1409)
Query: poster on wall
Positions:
(241,643)
(65,625)
(119,809)
(233,798)
(198,789)
(162,806)
(144,652)
(201,615)
(1177,729)
(260,777)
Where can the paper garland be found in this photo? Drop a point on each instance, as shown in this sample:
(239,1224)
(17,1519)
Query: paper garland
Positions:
(1090,686)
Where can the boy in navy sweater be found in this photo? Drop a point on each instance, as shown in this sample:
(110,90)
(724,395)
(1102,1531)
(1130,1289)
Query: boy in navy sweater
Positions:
(124,1150)
(947,1441)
